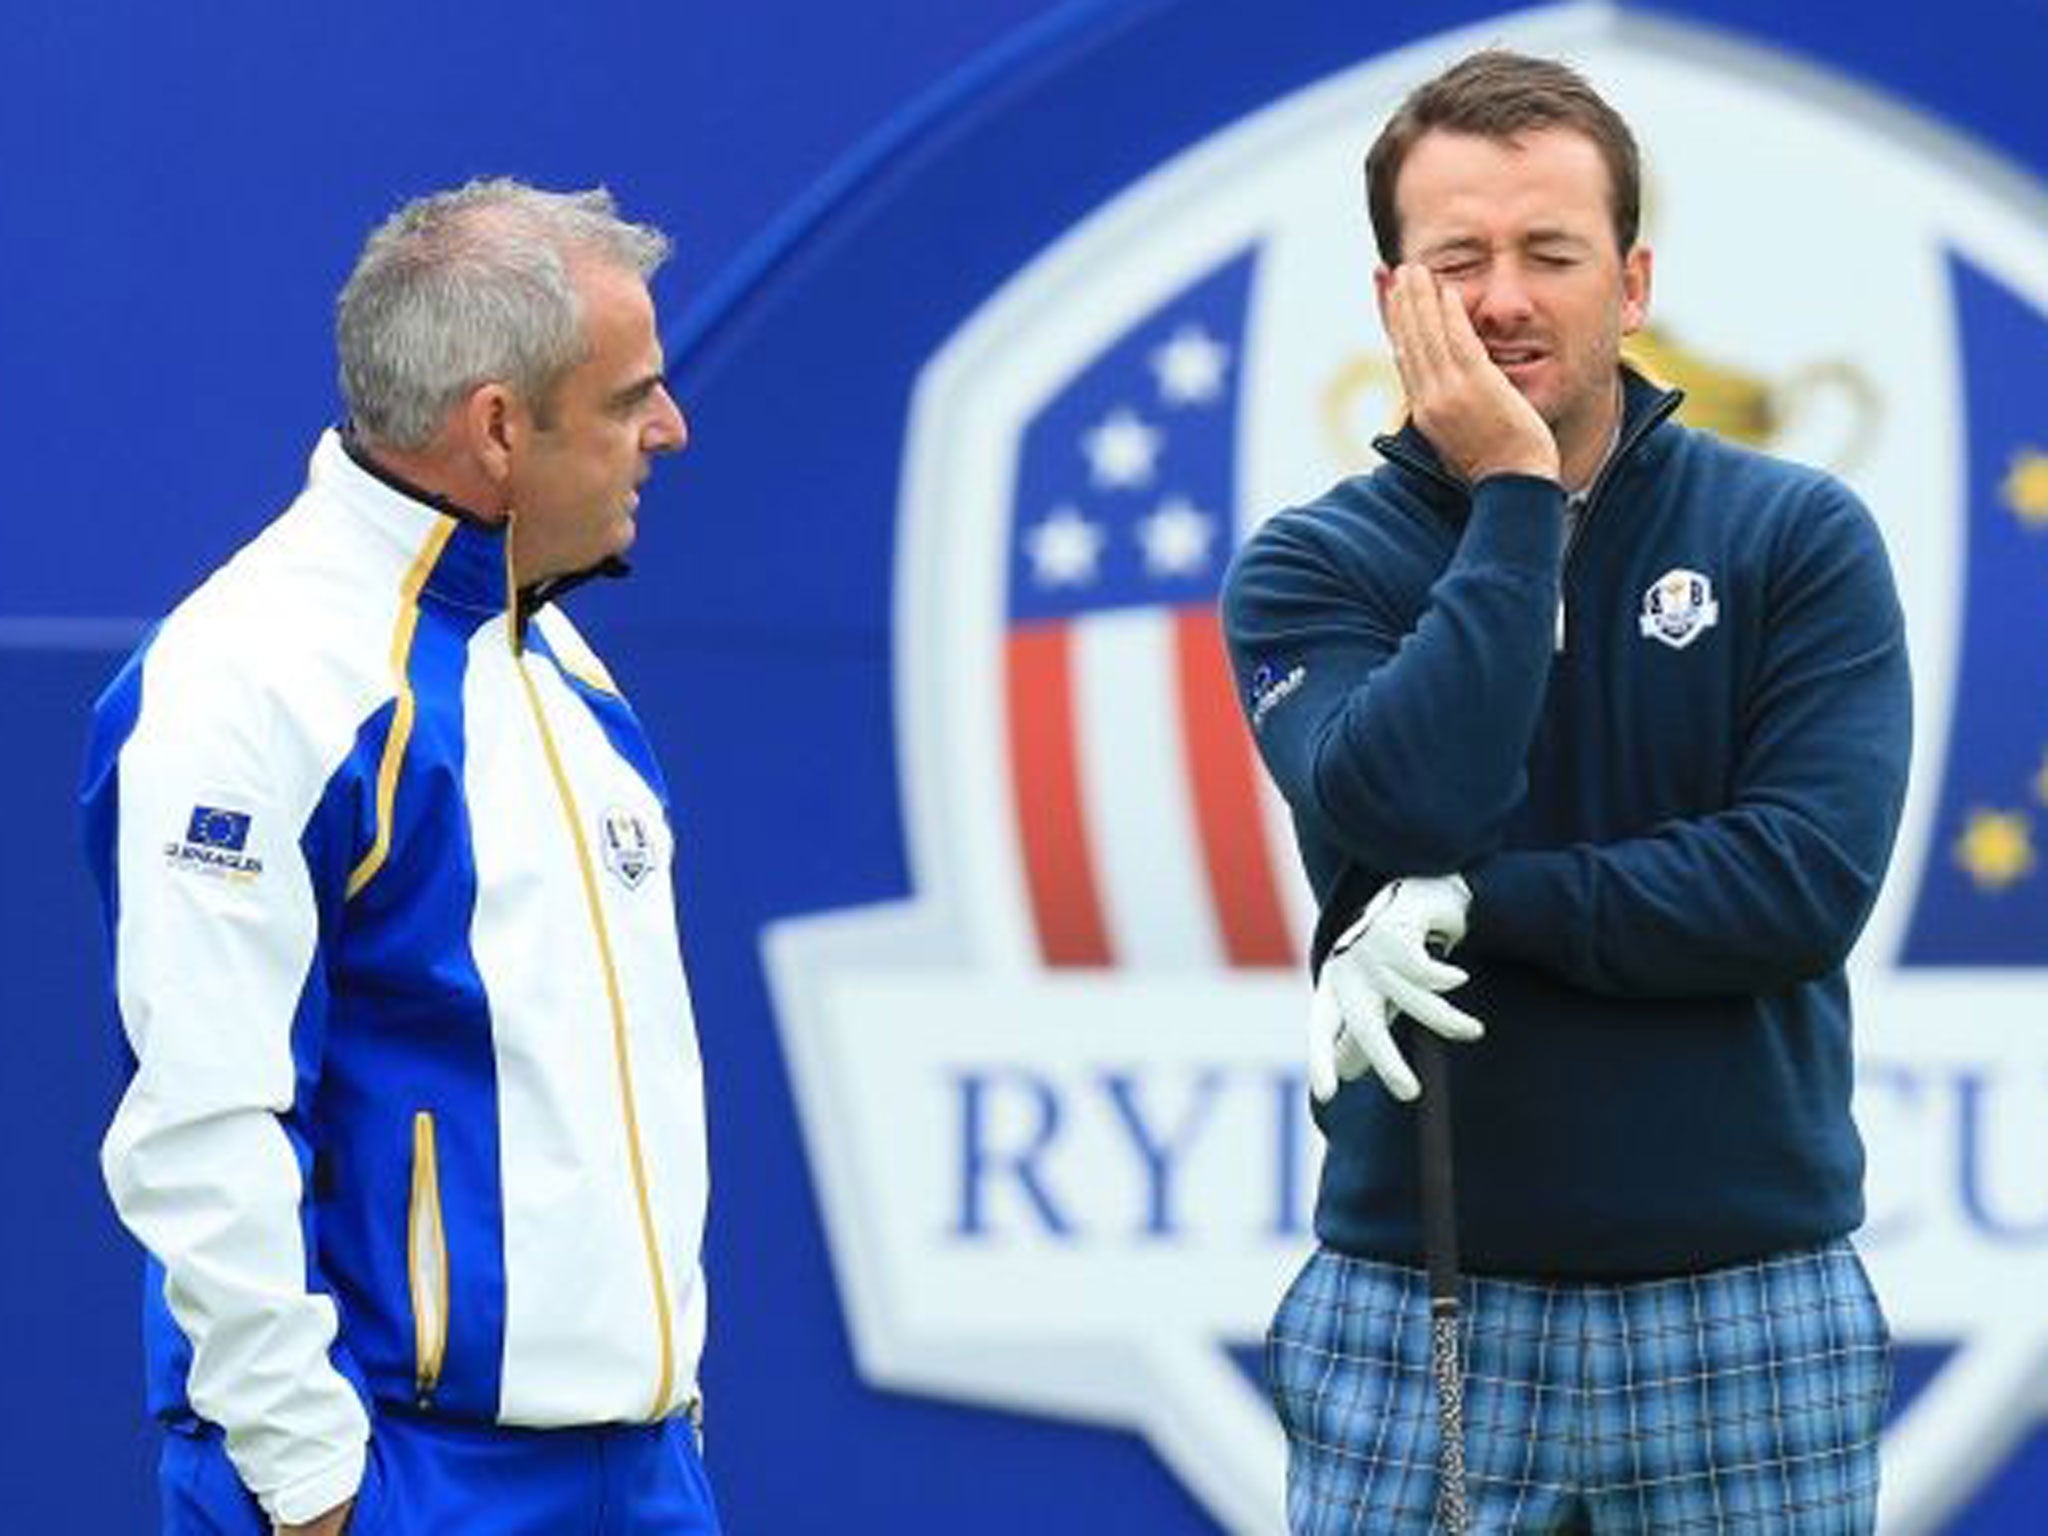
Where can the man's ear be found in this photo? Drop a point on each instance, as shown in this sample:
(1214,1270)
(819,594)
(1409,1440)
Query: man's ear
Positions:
(1382,285)
(1635,289)
(492,428)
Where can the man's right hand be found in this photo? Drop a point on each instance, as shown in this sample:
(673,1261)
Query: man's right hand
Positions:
(333,1523)
(1474,417)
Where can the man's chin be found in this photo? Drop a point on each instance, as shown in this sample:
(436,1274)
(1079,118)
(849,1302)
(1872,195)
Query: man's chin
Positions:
(1536,386)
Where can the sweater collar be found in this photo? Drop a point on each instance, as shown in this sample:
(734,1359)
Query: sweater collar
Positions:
(1644,406)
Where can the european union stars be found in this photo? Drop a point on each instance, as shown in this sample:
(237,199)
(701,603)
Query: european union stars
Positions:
(213,827)
(213,845)
(1996,846)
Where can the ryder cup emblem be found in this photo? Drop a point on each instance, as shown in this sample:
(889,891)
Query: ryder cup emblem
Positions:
(628,849)
(1679,608)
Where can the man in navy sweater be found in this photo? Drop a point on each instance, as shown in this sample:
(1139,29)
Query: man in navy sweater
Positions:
(1620,714)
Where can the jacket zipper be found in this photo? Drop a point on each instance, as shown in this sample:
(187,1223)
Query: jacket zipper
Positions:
(636,1159)
(1651,418)
(426,1259)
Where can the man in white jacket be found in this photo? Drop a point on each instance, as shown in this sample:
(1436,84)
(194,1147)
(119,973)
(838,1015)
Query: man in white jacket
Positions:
(415,1136)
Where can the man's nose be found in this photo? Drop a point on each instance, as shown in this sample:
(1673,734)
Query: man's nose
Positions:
(669,430)
(1500,298)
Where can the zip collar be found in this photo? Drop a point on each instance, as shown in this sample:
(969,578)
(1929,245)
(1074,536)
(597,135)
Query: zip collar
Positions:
(352,445)
(475,569)
(539,594)
(1644,407)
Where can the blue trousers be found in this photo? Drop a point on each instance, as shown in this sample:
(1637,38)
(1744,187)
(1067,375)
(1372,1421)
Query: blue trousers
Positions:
(435,1477)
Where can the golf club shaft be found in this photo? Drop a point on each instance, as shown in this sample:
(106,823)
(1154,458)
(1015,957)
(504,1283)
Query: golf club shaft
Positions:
(1440,1254)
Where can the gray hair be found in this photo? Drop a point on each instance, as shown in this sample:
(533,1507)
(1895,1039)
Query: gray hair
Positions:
(469,287)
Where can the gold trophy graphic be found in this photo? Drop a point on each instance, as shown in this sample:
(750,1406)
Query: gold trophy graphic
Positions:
(1829,402)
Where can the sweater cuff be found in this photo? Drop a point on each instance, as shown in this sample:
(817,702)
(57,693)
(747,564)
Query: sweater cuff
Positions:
(1516,520)
(1511,908)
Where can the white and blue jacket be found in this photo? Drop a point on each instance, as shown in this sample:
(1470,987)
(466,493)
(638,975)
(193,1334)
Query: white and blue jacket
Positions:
(416,1114)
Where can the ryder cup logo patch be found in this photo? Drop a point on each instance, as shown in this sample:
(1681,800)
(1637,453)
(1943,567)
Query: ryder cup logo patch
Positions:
(1679,607)
(1052,1097)
(628,847)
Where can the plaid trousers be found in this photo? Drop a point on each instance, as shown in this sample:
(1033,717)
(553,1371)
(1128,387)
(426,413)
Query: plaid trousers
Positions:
(1746,1399)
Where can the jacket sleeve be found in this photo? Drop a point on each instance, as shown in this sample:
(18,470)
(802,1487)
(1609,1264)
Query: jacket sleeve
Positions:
(215,936)
(1772,890)
(1393,701)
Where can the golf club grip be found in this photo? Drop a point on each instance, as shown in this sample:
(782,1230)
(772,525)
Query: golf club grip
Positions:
(1439,1184)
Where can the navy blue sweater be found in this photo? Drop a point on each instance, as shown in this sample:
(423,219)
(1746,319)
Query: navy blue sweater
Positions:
(1674,812)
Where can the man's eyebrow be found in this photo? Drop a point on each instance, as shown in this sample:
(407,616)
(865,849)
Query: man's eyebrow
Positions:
(639,389)
(1456,245)
(1555,237)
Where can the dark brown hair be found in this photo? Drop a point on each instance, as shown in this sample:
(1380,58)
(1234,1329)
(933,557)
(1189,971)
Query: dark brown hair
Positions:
(1497,94)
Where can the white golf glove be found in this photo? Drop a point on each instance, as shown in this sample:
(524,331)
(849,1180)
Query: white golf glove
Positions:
(1381,966)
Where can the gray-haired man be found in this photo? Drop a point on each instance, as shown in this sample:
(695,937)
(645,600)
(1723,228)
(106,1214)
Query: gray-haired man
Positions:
(415,1133)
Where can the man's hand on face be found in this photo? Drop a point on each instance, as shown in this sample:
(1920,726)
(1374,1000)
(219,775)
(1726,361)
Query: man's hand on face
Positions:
(333,1523)
(1474,417)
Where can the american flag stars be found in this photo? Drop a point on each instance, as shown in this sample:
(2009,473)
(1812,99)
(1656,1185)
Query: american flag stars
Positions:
(1122,450)
(1176,538)
(1065,549)
(1189,367)
(1137,507)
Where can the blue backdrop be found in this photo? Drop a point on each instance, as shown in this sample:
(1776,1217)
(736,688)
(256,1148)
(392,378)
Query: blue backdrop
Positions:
(184,189)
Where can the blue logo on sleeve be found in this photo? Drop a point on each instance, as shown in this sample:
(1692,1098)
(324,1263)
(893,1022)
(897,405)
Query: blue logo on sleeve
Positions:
(212,827)
(215,844)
